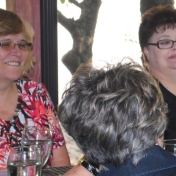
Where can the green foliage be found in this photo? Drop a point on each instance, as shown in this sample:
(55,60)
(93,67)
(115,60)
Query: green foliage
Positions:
(129,38)
(62,1)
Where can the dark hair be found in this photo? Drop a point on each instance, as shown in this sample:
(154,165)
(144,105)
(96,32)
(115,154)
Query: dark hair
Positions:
(114,113)
(11,23)
(158,18)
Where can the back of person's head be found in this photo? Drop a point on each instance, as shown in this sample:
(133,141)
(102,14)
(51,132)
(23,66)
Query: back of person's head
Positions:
(11,24)
(114,113)
(156,19)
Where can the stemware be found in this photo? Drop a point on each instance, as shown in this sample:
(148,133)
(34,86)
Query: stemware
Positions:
(38,137)
(170,146)
(24,162)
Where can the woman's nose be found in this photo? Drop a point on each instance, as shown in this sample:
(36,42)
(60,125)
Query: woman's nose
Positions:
(174,45)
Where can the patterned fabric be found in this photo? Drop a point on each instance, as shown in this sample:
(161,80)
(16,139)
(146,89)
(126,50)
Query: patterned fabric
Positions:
(34,107)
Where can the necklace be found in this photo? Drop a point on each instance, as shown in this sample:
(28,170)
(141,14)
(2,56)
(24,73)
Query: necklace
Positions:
(16,112)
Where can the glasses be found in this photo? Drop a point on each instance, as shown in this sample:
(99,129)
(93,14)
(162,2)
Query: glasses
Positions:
(9,45)
(163,44)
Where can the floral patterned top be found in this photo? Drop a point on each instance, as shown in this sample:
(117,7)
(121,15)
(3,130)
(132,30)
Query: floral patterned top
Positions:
(34,107)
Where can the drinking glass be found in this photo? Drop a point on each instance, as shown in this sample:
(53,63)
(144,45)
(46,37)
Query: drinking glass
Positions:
(170,146)
(24,162)
(38,137)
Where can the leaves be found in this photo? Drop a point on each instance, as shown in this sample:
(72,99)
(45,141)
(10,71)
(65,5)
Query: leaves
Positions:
(62,1)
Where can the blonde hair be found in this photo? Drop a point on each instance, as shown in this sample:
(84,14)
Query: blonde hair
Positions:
(28,33)
(11,23)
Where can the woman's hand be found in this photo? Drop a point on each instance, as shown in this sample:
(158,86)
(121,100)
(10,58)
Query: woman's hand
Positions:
(60,157)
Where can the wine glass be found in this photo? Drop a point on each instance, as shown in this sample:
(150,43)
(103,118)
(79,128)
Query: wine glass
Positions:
(38,137)
(24,162)
(170,146)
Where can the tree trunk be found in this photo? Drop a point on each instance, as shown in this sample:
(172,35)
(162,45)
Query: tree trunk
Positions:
(147,4)
(82,32)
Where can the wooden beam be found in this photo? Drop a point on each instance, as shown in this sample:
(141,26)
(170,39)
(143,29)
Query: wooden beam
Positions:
(10,5)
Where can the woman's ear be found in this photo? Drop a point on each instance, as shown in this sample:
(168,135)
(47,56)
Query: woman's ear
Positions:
(146,52)
(160,141)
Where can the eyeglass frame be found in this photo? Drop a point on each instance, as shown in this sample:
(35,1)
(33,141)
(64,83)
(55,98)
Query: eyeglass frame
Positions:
(157,44)
(17,44)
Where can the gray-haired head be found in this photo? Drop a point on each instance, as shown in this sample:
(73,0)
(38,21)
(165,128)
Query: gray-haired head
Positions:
(114,113)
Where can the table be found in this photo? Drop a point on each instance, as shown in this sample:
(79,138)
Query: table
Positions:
(55,171)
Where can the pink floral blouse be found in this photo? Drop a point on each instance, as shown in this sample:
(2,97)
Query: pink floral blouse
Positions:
(34,106)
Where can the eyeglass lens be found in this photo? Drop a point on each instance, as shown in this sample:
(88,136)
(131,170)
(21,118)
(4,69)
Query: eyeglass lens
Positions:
(9,45)
(164,44)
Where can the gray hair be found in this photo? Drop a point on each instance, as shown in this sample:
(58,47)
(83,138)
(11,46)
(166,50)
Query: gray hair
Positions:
(114,113)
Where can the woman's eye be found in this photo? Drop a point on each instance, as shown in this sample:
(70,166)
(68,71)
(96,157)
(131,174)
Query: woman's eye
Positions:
(22,44)
(165,42)
(5,44)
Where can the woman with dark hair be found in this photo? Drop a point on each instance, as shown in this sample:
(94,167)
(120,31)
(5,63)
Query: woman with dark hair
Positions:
(157,37)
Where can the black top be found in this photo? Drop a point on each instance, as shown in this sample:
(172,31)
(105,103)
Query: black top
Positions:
(170,99)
